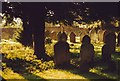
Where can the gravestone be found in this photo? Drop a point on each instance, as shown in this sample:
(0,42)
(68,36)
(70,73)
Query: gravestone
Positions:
(63,36)
(106,58)
(106,32)
(86,53)
(106,53)
(118,38)
(53,35)
(61,53)
(72,37)
(58,35)
(47,34)
(110,40)
(100,35)
(107,50)
(93,36)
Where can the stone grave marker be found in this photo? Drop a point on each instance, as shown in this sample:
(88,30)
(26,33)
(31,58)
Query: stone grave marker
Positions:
(106,32)
(61,53)
(86,53)
(58,35)
(110,40)
(72,37)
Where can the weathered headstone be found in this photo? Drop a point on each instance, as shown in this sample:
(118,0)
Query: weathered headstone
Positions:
(72,37)
(86,53)
(61,53)
(63,36)
(58,35)
(93,36)
(107,50)
(110,40)
(106,32)
(106,58)
(106,53)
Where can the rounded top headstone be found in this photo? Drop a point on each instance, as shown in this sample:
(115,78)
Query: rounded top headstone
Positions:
(63,37)
(86,39)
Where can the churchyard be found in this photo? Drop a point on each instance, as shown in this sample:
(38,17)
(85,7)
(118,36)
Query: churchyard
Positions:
(59,41)
(19,62)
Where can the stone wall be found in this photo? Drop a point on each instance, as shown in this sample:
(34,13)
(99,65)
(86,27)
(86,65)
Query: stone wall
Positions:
(7,33)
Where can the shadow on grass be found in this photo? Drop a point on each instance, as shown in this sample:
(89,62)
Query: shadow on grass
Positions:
(96,76)
(92,76)
(74,55)
(19,66)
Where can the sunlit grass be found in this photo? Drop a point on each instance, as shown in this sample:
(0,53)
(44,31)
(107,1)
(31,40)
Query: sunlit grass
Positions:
(10,74)
(13,50)
(37,69)
(98,70)
(59,74)
(16,55)
(118,49)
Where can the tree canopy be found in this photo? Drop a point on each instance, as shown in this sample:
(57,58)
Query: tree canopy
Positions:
(66,12)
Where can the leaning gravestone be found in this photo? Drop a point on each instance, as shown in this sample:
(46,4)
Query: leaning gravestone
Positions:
(53,35)
(72,37)
(93,35)
(61,53)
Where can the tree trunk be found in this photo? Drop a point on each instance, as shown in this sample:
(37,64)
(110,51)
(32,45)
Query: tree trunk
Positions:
(38,37)
(36,13)
(38,25)
(27,34)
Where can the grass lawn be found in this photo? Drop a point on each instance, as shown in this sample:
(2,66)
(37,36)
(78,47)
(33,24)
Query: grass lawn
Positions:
(18,62)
